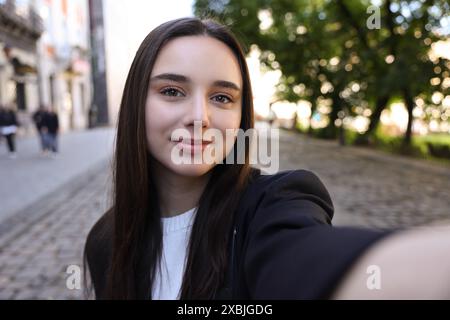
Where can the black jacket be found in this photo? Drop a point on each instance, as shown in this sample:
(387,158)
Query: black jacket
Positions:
(8,118)
(38,118)
(282,245)
(51,122)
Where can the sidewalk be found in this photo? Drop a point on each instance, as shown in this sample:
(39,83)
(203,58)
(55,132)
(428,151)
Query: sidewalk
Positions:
(47,207)
(36,252)
(31,176)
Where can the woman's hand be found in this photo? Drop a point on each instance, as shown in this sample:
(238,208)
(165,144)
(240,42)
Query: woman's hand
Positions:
(410,264)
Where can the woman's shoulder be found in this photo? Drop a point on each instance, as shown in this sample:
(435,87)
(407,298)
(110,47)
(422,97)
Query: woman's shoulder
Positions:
(287,188)
(300,179)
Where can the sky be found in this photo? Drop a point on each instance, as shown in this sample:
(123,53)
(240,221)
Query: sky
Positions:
(132,20)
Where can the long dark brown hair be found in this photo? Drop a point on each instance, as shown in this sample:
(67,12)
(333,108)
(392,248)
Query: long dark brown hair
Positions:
(136,227)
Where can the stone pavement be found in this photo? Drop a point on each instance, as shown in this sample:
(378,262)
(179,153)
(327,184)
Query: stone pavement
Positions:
(369,188)
(36,252)
(47,207)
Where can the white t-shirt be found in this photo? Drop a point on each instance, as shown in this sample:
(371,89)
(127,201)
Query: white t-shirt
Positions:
(176,234)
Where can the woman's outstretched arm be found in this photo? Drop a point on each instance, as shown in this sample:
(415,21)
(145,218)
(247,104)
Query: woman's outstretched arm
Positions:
(411,264)
(292,252)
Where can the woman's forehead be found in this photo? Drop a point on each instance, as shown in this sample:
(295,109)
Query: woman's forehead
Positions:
(200,58)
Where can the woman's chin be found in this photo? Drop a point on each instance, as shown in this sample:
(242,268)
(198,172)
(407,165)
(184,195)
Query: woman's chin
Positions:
(192,170)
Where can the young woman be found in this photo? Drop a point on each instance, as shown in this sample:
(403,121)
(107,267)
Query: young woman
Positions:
(223,230)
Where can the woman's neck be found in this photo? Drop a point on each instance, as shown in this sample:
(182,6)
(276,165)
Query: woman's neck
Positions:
(177,193)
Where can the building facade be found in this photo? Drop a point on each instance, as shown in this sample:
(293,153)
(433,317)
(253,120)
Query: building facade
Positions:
(44,60)
(20,29)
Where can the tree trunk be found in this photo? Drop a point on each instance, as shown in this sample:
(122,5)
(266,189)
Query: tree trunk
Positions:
(409,102)
(380,105)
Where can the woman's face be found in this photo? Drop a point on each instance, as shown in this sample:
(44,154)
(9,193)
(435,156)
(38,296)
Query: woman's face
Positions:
(196,86)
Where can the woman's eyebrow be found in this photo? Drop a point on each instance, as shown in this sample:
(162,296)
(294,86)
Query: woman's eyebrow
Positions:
(184,79)
(226,84)
(171,76)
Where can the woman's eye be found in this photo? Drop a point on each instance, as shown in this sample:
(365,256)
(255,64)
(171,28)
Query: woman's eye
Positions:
(222,99)
(172,92)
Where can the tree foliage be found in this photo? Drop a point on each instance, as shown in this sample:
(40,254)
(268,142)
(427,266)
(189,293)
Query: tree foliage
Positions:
(327,50)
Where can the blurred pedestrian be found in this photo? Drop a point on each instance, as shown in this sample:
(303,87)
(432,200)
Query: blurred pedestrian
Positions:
(38,118)
(9,125)
(50,128)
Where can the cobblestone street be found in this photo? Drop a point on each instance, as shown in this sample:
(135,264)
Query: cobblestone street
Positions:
(369,188)
(36,252)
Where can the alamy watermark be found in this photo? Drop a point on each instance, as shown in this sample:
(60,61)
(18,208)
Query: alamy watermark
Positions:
(374,20)
(374,280)
(73,281)
(207,147)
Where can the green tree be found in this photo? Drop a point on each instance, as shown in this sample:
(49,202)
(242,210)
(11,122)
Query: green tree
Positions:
(325,50)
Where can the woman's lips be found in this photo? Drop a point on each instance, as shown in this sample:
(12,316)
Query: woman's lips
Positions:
(193,142)
(192,145)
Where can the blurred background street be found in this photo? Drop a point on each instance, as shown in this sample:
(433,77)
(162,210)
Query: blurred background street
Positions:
(360,91)
(39,242)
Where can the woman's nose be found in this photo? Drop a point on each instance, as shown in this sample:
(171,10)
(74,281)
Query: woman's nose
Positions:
(198,111)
